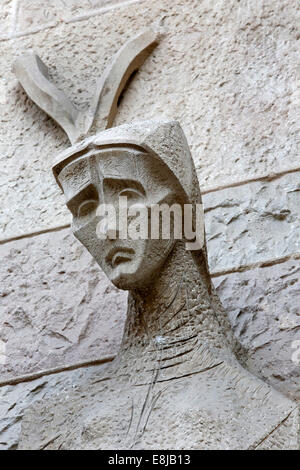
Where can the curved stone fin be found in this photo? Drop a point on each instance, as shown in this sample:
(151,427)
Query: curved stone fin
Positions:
(34,78)
(110,85)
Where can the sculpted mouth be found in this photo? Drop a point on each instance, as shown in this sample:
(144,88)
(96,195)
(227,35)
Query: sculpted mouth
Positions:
(119,255)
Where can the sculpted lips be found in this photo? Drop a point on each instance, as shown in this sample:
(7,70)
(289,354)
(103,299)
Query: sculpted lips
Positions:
(119,255)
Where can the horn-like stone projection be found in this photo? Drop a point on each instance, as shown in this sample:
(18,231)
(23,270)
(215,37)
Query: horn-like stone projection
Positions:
(176,382)
(34,78)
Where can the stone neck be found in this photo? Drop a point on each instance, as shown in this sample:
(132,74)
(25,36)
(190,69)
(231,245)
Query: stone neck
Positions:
(173,319)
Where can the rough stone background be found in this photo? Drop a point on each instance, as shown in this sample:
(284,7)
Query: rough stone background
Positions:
(57,307)
(263,308)
(254,222)
(235,92)
(228,71)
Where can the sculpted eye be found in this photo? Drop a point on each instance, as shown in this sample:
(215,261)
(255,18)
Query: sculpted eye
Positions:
(87,207)
(84,202)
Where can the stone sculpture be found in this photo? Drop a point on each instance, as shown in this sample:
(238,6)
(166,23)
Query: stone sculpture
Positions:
(176,382)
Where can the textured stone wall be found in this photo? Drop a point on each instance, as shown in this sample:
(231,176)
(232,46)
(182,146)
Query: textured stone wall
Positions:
(227,70)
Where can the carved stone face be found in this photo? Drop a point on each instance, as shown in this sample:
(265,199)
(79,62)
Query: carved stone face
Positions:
(102,178)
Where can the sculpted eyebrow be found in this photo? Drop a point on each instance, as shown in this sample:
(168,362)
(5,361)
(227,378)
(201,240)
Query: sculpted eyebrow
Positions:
(88,191)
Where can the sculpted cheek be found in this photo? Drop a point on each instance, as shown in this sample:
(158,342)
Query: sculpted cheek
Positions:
(86,234)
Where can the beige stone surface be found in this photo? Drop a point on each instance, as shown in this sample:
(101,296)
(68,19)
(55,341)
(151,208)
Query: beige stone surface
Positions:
(226,71)
(183,416)
(33,14)
(33,75)
(255,222)
(176,366)
(57,307)
(6,17)
(263,309)
(281,437)
(14,399)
